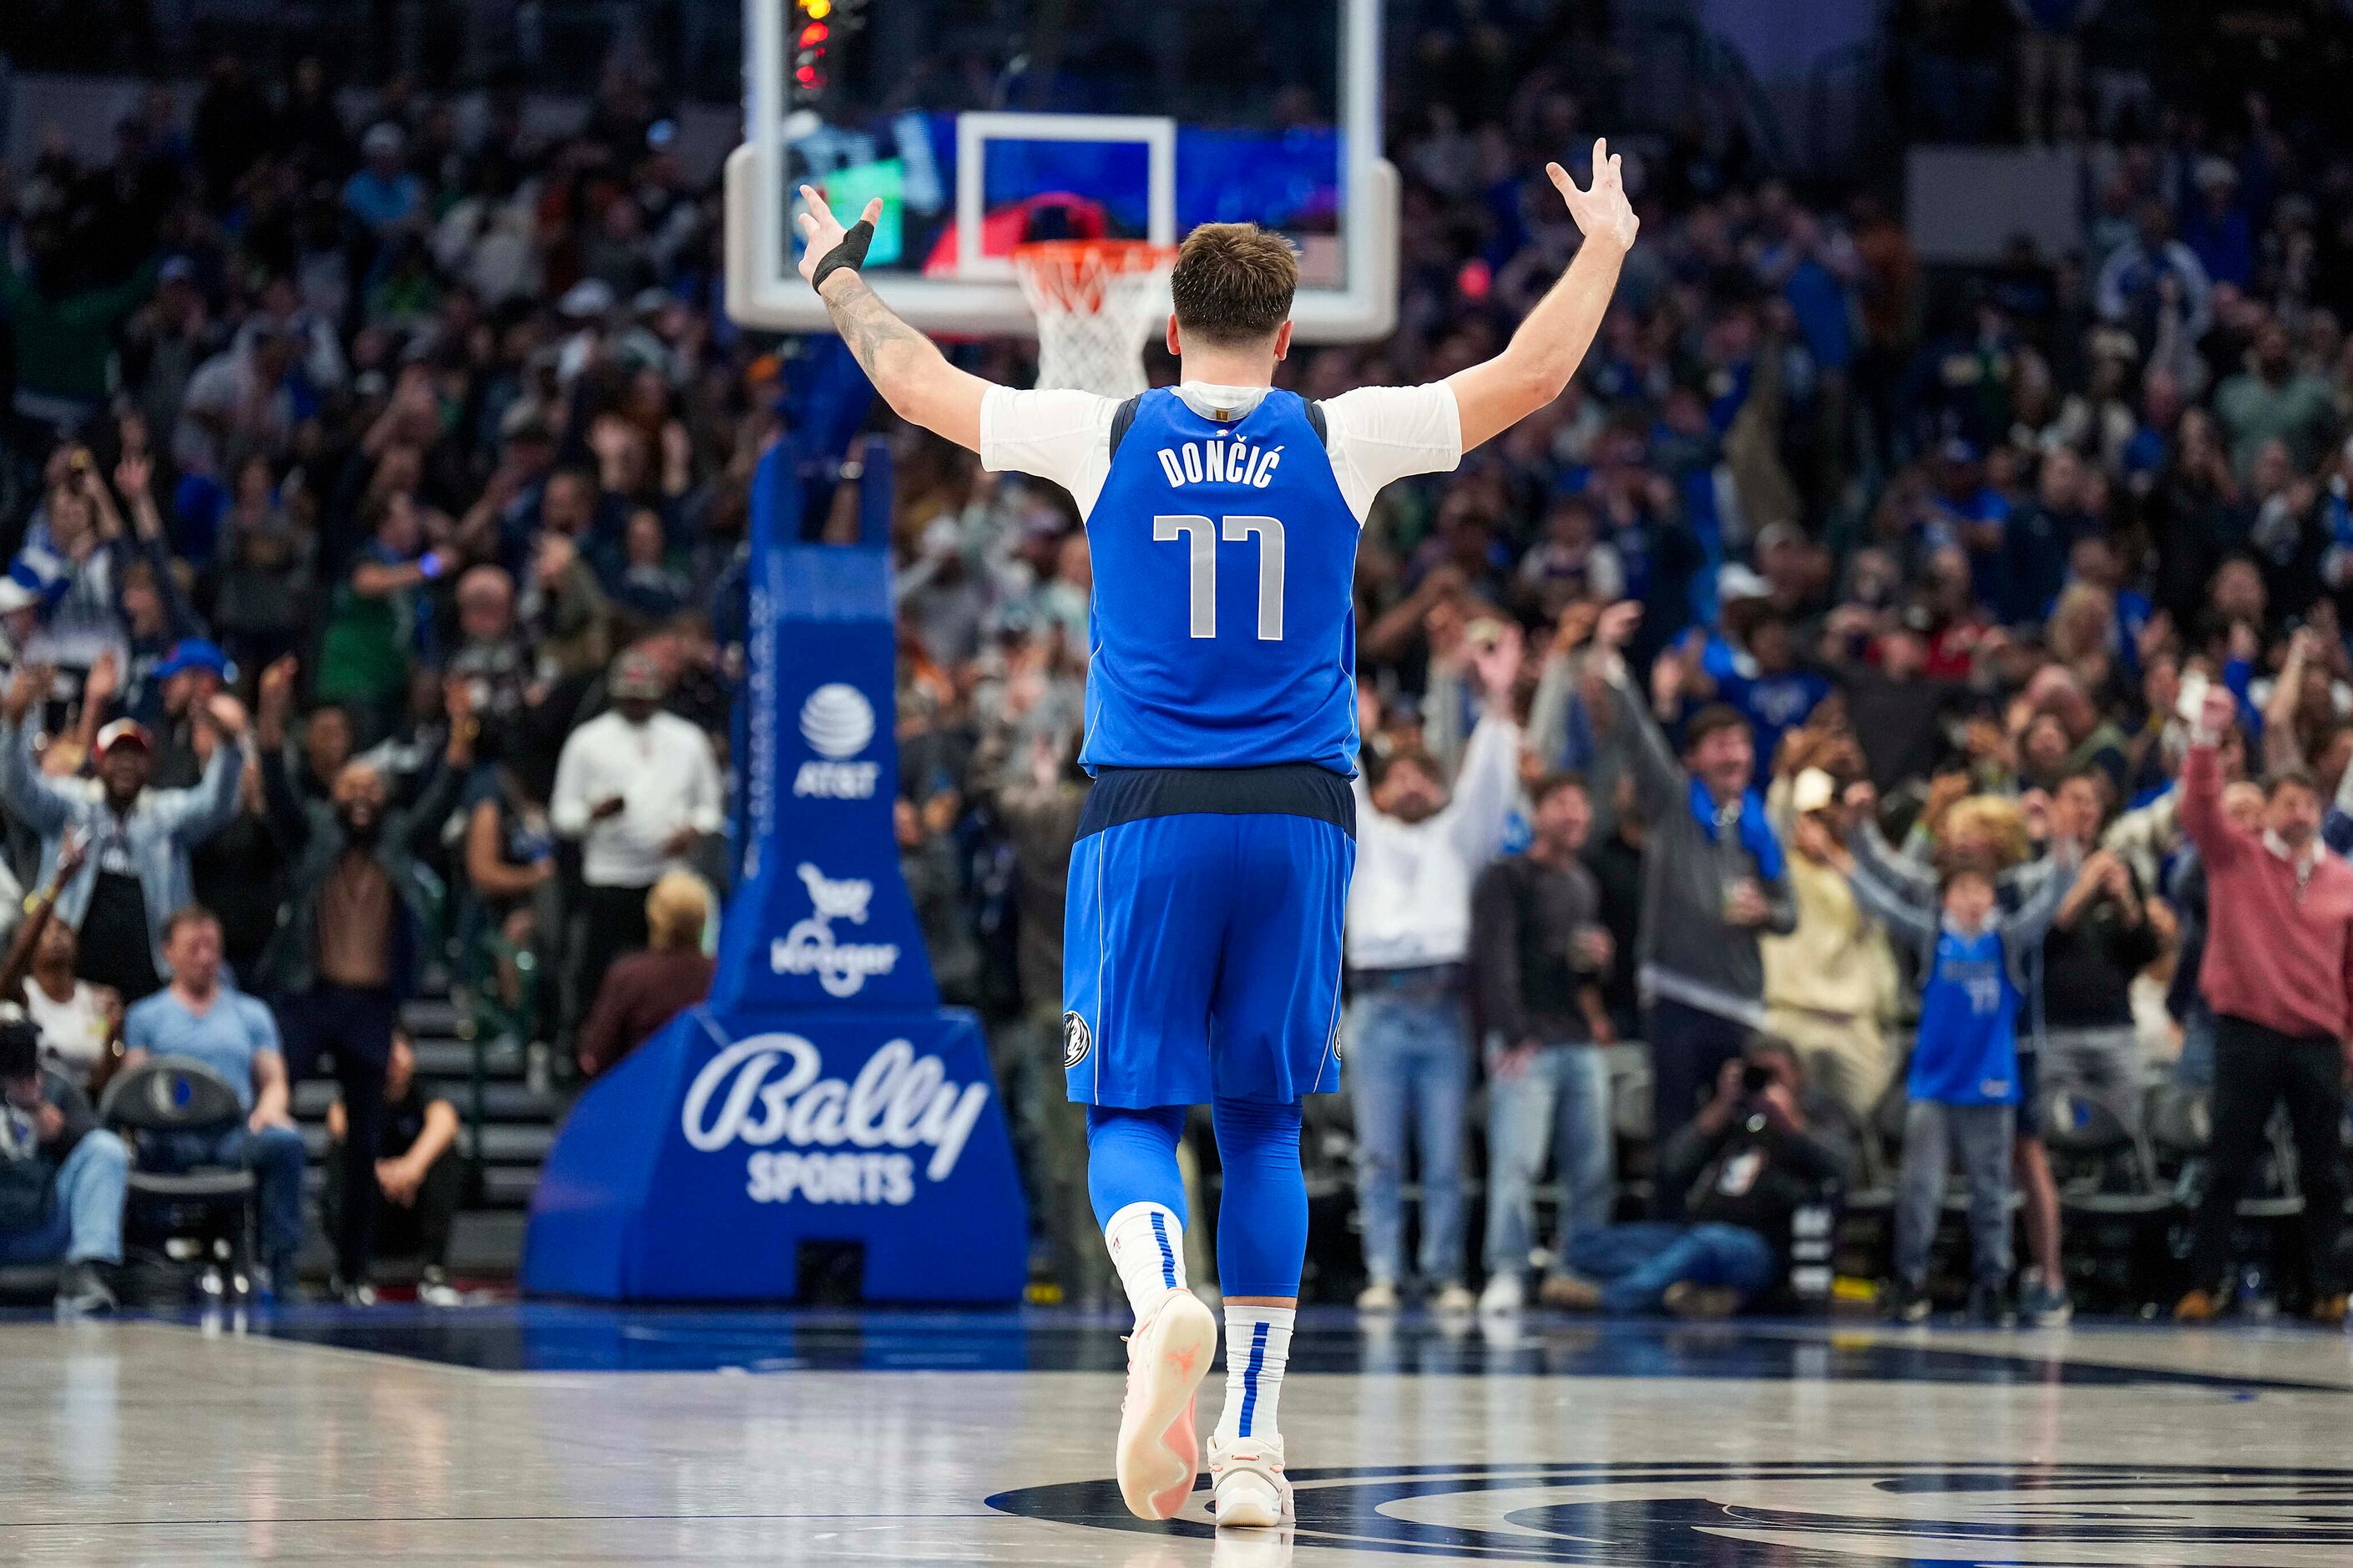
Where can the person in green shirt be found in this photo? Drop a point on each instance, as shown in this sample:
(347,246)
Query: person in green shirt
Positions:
(371,620)
(65,336)
(2272,400)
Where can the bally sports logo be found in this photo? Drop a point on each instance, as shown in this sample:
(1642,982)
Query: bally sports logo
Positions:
(767,1090)
(837,722)
(808,948)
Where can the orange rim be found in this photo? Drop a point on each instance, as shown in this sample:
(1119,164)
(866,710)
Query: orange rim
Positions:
(1070,273)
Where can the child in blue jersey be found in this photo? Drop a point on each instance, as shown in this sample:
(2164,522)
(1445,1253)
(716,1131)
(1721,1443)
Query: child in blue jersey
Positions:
(1964,1082)
(1201,944)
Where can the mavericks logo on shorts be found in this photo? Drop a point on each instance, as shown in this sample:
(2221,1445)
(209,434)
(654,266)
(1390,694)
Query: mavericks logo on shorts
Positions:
(1076,1040)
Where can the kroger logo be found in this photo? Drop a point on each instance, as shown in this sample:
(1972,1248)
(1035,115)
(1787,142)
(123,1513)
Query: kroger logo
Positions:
(767,1090)
(810,948)
(837,722)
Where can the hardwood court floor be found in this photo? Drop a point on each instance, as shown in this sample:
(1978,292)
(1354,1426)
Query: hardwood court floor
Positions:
(579,1436)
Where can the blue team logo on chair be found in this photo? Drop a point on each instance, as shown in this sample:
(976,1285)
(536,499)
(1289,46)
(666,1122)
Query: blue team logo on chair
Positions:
(1077,1041)
(1870,1514)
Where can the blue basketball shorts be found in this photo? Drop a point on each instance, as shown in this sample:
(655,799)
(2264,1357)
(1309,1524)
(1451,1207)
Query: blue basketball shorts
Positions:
(1201,947)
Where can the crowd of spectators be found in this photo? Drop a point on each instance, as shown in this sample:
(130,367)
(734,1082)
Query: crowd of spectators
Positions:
(375,468)
(1825,551)
(381,468)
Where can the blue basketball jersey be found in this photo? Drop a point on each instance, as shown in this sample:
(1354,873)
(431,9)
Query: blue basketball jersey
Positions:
(1965,1052)
(1223,621)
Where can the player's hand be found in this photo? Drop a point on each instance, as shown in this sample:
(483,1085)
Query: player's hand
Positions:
(1601,210)
(822,230)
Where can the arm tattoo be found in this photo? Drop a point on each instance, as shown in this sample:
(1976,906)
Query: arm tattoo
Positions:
(877,339)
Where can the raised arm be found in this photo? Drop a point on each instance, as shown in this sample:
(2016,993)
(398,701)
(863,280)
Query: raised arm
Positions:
(906,367)
(2031,922)
(31,795)
(1660,781)
(2218,842)
(1489,783)
(1893,905)
(193,814)
(1535,365)
(2282,749)
(40,910)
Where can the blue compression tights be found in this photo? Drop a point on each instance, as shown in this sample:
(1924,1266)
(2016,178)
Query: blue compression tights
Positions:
(1262,1219)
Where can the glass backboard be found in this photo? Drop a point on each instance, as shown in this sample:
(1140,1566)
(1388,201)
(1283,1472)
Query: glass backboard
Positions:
(984,124)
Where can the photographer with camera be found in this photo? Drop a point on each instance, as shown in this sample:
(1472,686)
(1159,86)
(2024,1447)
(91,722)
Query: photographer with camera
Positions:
(1763,1147)
(62,1176)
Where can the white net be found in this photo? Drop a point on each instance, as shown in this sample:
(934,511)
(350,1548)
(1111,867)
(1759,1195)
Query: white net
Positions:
(1097,303)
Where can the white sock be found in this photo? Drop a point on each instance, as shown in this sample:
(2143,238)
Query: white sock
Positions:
(1258,1347)
(1148,1247)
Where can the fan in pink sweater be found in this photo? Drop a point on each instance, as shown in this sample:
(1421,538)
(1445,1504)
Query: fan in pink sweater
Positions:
(2279,944)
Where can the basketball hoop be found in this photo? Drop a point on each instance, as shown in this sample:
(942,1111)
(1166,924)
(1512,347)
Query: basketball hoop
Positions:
(1097,302)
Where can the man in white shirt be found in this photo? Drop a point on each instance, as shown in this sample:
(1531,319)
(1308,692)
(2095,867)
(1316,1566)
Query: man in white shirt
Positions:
(639,789)
(1220,695)
(1418,851)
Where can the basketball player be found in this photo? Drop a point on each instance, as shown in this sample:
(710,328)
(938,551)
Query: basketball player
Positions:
(1202,949)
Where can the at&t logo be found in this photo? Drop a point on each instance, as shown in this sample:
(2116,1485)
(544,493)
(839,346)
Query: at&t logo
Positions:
(837,722)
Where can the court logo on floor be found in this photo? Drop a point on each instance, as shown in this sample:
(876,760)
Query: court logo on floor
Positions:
(1793,1514)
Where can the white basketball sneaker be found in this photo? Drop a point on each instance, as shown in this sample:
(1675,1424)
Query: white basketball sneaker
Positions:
(1251,1489)
(1159,1454)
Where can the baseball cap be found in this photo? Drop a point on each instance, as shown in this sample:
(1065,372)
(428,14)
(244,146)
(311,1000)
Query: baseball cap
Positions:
(195,653)
(124,731)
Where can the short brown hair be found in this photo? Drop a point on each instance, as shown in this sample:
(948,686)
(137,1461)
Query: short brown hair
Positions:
(1708,720)
(1553,783)
(1411,757)
(188,915)
(2295,776)
(1233,282)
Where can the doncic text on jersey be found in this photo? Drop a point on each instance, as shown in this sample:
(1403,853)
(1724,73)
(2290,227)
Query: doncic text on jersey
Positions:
(1229,461)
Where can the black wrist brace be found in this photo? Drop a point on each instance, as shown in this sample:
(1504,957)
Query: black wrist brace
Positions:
(849,253)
